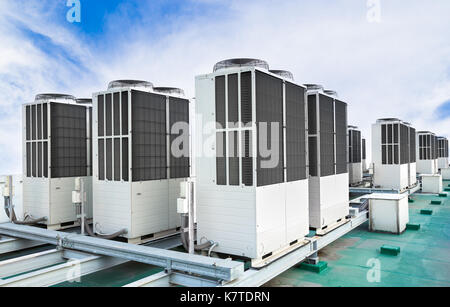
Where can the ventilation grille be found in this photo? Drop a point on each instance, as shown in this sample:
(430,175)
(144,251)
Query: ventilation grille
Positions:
(269,110)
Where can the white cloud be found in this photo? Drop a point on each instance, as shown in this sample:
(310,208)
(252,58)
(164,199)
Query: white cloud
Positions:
(396,68)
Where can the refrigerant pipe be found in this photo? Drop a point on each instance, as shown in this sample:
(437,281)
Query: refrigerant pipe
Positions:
(100,236)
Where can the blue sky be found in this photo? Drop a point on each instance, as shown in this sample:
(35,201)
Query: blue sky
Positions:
(397,67)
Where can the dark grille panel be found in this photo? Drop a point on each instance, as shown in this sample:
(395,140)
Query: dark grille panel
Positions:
(117,159)
(124,113)
(44,121)
(101,115)
(33,157)
(109,161)
(404,149)
(39,157)
(68,146)
(312,114)
(45,149)
(269,109)
(233,158)
(341,138)
(327,136)
(33,122)
(295,132)
(412,145)
(355,146)
(233,95)
(125,162)
(220,102)
(313,163)
(221,160)
(149,143)
(28,159)
(247,159)
(108,109)
(101,159)
(27,122)
(364,157)
(39,122)
(246,98)
(116,113)
(179,113)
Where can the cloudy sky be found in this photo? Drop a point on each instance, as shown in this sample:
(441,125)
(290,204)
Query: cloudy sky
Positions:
(392,64)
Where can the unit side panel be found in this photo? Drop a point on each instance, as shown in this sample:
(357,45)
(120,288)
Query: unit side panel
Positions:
(297,210)
(150,210)
(36,197)
(112,206)
(334,198)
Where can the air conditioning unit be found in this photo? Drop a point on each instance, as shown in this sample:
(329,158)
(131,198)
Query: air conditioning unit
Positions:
(355,167)
(427,153)
(328,169)
(57,149)
(442,153)
(252,177)
(141,147)
(394,154)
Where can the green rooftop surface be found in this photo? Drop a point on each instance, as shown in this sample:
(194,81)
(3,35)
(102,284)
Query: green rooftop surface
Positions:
(353,260)
(424,260)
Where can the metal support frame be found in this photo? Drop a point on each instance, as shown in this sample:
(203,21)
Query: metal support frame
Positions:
(172,261)
(57,266)
(180,268)
(253,277)
(9,245)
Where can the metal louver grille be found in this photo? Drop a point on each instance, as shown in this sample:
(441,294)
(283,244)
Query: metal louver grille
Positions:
(269,112)
(327,136)
(149,142)
(246,98)
(179,115)
(295,132)
(364,157)
(341,138)
(220,102)
(412,145)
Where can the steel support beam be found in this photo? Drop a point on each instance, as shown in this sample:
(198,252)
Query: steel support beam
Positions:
(75,265)
(219,269)
(9,245)
(29,263)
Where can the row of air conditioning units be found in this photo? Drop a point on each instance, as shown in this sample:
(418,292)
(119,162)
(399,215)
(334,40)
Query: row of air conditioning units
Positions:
(272,158)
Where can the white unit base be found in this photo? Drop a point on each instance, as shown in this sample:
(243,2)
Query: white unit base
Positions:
(252,221)
(329,200)
(142,208)
(443,163)
(52,198)
(388,213)
(427,167)
(445,172)
(432,184)
(355,172)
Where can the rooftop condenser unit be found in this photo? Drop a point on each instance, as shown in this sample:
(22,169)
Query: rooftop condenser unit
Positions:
(329,178)
(427,153)
(252,178)
(394,154)
(442,152)
(57,150)
(355,168)
(141,147)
